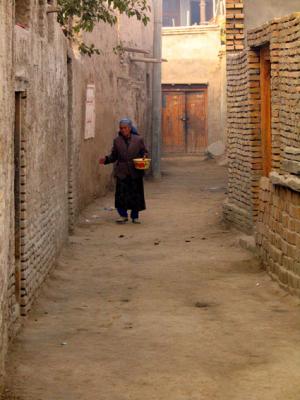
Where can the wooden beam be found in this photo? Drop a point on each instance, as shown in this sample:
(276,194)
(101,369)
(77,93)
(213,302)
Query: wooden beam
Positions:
(52,9)
(132,50)
(147,60)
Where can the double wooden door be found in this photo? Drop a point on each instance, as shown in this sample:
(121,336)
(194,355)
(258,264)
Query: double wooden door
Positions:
(184,120)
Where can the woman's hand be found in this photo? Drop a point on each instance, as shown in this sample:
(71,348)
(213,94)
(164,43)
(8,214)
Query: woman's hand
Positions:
(101,161)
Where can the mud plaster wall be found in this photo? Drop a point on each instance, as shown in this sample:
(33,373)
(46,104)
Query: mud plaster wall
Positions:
(56,163)
(268,10)
(193,55)
(6,181)
(121,89)
(41,72)
(275,200)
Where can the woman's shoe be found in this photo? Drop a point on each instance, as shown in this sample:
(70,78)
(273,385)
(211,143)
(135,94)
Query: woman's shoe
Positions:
(135,221)
(122,220)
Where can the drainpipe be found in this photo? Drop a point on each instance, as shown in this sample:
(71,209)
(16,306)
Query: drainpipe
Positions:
(156,91)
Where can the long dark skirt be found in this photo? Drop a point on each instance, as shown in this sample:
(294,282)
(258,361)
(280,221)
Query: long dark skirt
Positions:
(130,194)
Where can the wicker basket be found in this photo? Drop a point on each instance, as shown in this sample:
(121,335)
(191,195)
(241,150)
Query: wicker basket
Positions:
(142,163)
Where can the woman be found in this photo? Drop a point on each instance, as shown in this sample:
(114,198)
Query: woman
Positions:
(129,193)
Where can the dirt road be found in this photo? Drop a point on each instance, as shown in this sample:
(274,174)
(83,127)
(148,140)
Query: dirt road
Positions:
(171,309)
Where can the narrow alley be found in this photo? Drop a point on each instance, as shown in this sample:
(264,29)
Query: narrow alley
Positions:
(172,309)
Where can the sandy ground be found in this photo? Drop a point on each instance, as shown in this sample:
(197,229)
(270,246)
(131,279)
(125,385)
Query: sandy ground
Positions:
(171,309)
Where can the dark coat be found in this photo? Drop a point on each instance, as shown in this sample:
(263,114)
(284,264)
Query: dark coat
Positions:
(123,152)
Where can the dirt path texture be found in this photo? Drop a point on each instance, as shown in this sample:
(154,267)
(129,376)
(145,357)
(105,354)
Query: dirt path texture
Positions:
(172,309)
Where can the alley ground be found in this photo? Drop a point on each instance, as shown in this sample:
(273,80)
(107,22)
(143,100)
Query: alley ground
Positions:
(172,309)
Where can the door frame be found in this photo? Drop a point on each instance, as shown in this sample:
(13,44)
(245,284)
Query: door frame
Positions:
(187,88)
(19,188)
(266,109)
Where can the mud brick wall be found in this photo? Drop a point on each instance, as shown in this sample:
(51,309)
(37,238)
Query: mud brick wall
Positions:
(41,72)
(269,206)
(57,172)
(243,132)
(278,226)
(59,166)
(234,25)
(278,234)
(6,174)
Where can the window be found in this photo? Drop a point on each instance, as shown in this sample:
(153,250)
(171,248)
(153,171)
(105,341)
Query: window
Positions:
(171,12)
(187,12)
(195,12)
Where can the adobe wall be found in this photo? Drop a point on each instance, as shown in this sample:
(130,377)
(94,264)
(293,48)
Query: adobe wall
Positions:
(59,166)
(268,10)
(122,88)
(243,142)
(270,205)
(278,224)
(59,171)
(41,75)
(194,56)
(6,181)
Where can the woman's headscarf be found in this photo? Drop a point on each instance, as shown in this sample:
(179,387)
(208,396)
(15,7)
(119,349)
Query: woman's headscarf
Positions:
(126,122)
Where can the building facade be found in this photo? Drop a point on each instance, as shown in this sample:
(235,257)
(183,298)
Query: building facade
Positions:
(263,134)
(59,112)
(193,78)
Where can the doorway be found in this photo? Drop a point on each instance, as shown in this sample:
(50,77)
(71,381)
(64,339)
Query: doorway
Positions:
(17,190)
(265,95)
(184,119)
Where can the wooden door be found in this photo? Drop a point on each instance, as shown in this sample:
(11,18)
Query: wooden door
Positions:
(196,112)
(184,120)
(173,124)
(265,93)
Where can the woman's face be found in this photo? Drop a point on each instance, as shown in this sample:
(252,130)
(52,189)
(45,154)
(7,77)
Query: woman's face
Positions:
(125,131)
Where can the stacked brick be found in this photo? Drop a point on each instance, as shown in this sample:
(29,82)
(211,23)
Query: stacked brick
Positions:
(234,25)
(268,205)
(278,228)
(278,234)
(243,129)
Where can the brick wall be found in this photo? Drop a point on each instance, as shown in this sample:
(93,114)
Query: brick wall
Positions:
(58,172)
(278,227)
(6,177)
(278,233)
(120,90)
(268,205)
(243,133)
(234,25)
(41,71)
